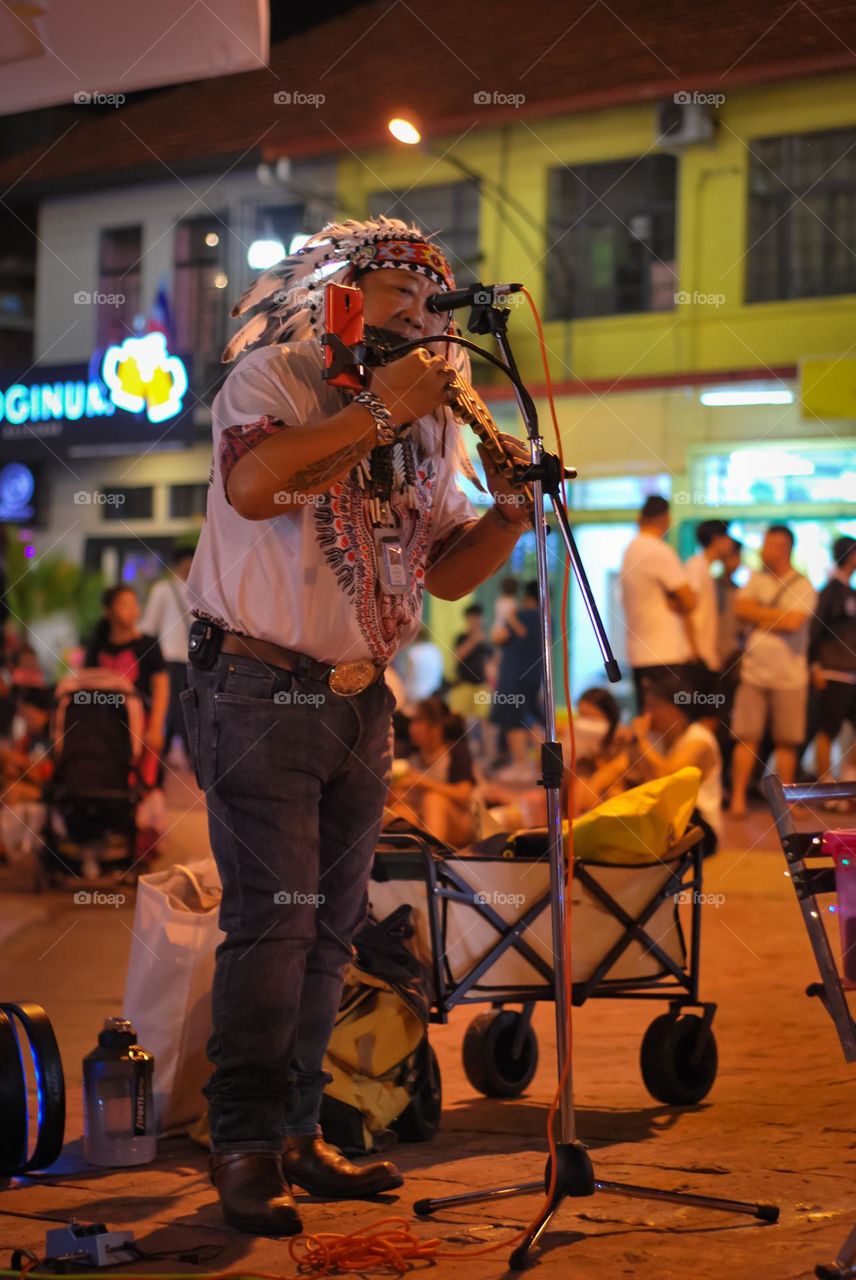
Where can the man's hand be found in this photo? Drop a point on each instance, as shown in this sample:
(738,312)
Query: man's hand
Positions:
(153,739)
(412,386)
(515,501)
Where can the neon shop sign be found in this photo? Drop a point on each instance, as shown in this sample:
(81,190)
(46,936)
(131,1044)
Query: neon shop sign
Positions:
(138,376)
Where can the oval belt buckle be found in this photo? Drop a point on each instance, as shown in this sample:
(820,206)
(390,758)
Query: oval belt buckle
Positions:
(348,678)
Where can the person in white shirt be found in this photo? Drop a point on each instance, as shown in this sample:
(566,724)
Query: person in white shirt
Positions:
(715,542)
(423,668)
(328,516)
(777,604)
(167,616)
(713,538)
(669,737)
(657,600)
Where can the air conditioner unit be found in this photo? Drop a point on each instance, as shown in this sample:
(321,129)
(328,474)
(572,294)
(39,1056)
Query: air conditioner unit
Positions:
(680,124)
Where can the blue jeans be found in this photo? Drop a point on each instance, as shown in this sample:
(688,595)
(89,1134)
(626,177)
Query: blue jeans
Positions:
(295,779)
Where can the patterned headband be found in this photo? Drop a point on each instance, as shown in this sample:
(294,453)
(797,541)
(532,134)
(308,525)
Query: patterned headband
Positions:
(416,255)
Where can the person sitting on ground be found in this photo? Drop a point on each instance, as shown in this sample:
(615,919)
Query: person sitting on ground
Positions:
(26,768)
(600,740)
(666,737)
(436,791)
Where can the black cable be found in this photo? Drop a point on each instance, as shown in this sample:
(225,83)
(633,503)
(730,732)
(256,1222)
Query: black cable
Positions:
(410,344)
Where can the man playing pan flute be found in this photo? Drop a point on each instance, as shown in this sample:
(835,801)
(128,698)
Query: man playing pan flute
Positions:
(328,515)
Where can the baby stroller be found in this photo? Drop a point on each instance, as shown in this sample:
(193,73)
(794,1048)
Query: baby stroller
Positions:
(96,788)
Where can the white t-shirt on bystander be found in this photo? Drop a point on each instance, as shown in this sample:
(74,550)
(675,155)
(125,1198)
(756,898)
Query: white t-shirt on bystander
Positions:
(778,659)
(656,634)
(704,618)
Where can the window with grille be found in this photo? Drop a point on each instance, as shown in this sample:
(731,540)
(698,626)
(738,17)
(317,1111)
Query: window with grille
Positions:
(127,504)
(279,222)
(611,234)
(448,212)
(201,294)
(187,500)
(120,251)
(802,216)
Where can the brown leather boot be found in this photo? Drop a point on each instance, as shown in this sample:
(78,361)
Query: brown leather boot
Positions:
(254,1194)
(310,1163)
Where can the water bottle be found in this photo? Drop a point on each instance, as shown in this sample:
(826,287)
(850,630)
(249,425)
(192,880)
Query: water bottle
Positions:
(118,1110)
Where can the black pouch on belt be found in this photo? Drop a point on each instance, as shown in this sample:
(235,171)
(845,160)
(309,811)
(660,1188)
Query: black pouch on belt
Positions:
(203,646)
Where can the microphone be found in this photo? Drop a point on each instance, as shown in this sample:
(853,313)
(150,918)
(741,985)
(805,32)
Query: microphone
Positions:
(477,295)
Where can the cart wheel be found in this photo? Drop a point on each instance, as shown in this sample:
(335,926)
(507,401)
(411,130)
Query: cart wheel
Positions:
(488,1049)
(668,1070)
(420,1120)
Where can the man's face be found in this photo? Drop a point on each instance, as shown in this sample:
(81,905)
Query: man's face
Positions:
(722,547)
(395,298)
(776,552)
(732,559)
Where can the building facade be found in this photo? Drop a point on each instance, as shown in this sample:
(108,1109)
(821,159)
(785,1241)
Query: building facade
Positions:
(693,259)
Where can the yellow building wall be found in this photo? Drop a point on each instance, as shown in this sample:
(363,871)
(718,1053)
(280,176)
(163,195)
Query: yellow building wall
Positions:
(711,242)
(647,431)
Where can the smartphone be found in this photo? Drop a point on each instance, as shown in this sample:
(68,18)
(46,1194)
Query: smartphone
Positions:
(343,317)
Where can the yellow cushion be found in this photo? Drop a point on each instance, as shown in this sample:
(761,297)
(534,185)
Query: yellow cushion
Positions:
(638,826)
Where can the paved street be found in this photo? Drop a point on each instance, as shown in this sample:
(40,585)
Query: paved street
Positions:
(778,1124)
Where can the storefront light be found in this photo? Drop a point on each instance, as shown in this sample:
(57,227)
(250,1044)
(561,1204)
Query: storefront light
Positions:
(264,253)
(736,396)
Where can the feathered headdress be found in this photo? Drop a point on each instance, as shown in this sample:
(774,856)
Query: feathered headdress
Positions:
(287,301)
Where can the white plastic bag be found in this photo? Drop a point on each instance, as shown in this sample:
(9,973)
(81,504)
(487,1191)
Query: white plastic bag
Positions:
(168,985)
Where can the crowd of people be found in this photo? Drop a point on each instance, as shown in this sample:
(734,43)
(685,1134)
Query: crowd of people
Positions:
(142,647)
(724,673)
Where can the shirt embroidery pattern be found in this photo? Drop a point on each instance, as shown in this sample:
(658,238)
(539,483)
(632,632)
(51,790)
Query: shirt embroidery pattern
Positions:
(344,534)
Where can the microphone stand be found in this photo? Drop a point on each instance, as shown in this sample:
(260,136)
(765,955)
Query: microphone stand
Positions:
(575,1176)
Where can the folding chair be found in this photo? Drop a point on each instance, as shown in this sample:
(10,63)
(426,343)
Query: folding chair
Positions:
(800,848)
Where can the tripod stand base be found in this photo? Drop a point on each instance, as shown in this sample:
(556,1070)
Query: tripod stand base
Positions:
(575,1177)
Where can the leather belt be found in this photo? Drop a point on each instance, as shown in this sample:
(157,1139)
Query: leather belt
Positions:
(344,678)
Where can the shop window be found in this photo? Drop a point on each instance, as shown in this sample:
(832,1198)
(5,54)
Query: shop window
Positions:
(201,296)
(280,222)
(127,504)
(802,215)
(187,500)
(449,212)
(618,493)
(611,238)
(775,477)
(120,252)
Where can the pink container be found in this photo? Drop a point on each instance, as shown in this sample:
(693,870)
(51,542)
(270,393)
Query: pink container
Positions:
(841,845)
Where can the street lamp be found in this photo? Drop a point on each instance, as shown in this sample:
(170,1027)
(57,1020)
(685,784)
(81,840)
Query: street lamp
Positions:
(406,129)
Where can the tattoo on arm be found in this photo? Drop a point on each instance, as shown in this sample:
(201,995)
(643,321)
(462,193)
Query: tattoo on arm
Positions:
(329,468)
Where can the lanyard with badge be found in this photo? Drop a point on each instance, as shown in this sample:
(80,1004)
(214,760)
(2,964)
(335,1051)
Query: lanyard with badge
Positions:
(389,469)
